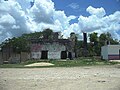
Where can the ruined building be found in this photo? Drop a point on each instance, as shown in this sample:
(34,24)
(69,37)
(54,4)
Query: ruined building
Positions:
(54,48)
(45,47)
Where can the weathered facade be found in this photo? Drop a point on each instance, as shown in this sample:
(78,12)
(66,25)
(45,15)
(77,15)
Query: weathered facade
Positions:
(53,48)
(8,56)
(1,60)
(41,48)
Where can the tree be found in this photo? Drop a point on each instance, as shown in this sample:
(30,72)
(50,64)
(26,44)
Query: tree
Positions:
(102,39)
(47,34)
(79,46)
(93,37)
(94,47)
(107,37)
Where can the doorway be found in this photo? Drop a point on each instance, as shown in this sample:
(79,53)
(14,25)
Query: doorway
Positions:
(44,55)
(119,54)
(63,54)
(70,55)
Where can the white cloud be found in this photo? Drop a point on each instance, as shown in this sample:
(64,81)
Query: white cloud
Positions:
(42,11)
(12,15)
(6,18)
(16,18)
(98,22)
(72,28)
(63,19)
(99,12)
(117,0)
(73,6)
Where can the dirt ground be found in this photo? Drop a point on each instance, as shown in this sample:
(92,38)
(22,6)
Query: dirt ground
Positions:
(73,78)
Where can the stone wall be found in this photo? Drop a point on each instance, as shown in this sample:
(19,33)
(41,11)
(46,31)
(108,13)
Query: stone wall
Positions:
(54,55)
(53,50)
(24,56)
(1,60)
(36,55)
(47,46)
(14,57)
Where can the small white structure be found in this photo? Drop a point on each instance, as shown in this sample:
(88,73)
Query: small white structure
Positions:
(110,52)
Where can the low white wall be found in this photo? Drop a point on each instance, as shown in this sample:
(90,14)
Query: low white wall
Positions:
(110,52)
(113,49)
(104,52)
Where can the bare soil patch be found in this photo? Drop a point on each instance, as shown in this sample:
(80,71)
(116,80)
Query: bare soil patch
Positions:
(73,78)
(114,60)
(39,64)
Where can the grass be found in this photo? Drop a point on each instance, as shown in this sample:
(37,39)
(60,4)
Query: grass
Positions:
(84,62)
(60,63)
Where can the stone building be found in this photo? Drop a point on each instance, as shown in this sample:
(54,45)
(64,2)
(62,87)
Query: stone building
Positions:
(7,55)
(54,48)
(42,48)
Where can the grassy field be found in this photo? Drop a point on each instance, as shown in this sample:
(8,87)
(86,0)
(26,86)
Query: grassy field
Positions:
(62,63)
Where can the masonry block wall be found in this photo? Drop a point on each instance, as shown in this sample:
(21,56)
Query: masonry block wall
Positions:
(47,50)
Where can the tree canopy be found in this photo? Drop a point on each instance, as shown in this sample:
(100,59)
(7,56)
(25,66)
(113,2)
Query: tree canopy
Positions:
(21,44)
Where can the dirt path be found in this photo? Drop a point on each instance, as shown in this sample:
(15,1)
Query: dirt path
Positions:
(74,78)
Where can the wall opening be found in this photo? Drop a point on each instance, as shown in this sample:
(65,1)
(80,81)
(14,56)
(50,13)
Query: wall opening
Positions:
(63,55)
(70,55)
(44,55)
(119,53)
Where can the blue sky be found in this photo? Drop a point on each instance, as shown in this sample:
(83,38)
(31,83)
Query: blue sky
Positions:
(110,6)
(78,7)
(65,16)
